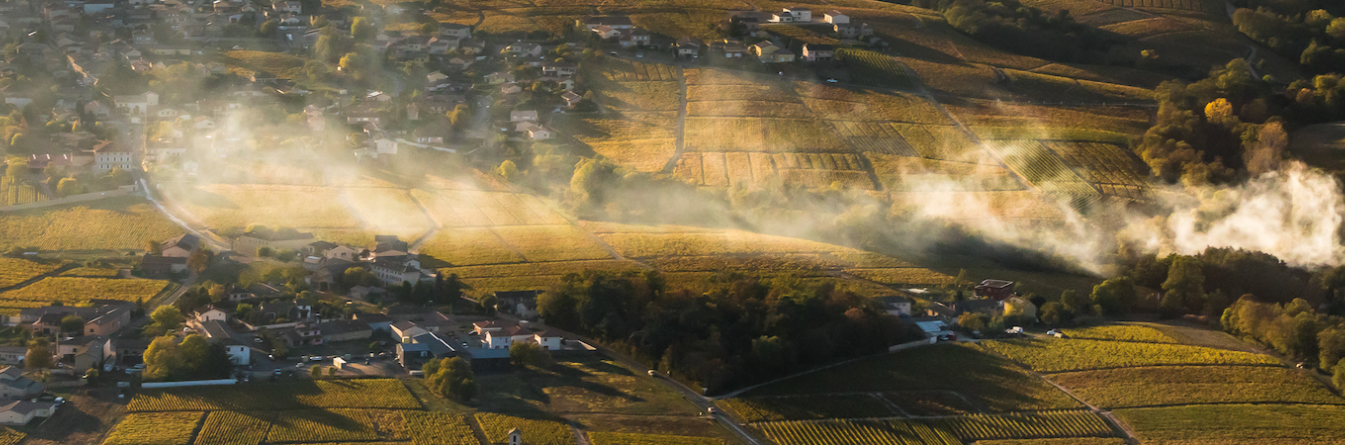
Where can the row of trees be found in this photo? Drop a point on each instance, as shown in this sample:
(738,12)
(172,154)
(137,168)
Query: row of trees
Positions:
(1315,38)
(1009,25)
(738,330)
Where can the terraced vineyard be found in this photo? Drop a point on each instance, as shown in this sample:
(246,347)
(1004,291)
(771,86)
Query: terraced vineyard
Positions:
(872,65)
(1044,424)
(856,432)
(155,429)
(15,192)
(1045,171)
(538,432)
(1056,355)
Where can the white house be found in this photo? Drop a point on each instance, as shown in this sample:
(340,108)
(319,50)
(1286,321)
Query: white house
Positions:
(21,412)
(523,116)
(138,104)
(835,17)
(502,338)
(238,352)
(108,155)
(548,339)
(210,313)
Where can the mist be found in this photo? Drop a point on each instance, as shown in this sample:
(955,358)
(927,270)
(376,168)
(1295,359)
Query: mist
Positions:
(1294,213)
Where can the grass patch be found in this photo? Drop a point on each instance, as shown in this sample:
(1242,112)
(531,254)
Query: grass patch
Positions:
(580,387)
(388,211)
(1183,385)
(1059,355)
(640,96)
(987,380)
(657,245)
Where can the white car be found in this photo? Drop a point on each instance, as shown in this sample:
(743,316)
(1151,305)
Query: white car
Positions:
(831,80)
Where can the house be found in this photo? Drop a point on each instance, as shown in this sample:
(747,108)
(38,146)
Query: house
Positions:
(130,351)
(482,327)
(256,290)
(688,48)
(796,14)
(525,49)
(180,246)
(472,46)
(853,31)
(549,339)
(108,155)
(455,31)
(342,252)
(159,266)
(97,109)
(523,116)
(437,322)
(768,52)
(611,21)
(502,338)
(895,305)
(377,322)
(108,319)
(534,131)
(403,331)
(13,385)
(393,270)
(441,46)
(997,290)
(497,78)
(835,17)
(734,50)
(511,88)
(818,53)
(303,334)
(627,38)
(12,355)
(416,351)
(138,104)
(558,69)
(217,332)
(82,353)
(570,99)
(515,436)
(345,330)
(22,412)
(209,313)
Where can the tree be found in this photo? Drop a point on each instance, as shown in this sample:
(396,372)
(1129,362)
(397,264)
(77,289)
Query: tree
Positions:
(1072,303)
(265,251)
(488,303)
(201,259)
(451,378)
(69,186)
(361,30)
(1265,155)
(17,169)
(1338,374)
(153,247)
(1220,112)
(39,354)
(1184,290)
(1330,346)
(972,321)
(507,170)
(452,289)
(72,323)
(1053,313)
(1115,295)
(331,372)
(315,371)
(161,359)
(529,354)
(167,318)
(268,28)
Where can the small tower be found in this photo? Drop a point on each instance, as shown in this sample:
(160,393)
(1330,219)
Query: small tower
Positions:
(515,437)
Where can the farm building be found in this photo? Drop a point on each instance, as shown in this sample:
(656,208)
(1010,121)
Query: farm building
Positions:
(21,412)
(896,305)
(996,289)
(13,385)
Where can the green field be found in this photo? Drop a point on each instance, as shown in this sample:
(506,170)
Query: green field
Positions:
(986,380)
(1183,385)
(1058,355)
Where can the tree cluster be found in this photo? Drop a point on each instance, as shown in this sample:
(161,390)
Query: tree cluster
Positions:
(450,378)
(1202,284)
(737,331)
(1215,130)
(1011,26)
(1316,38)
(194,359)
